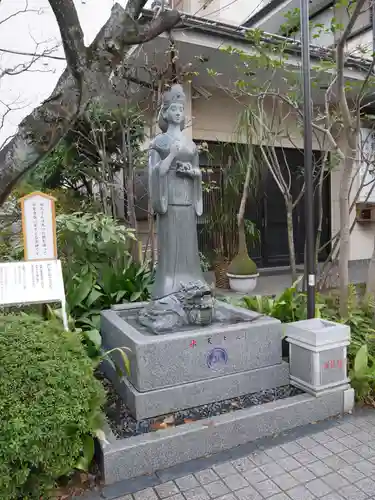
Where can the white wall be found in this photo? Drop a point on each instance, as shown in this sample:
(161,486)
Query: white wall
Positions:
(228,11)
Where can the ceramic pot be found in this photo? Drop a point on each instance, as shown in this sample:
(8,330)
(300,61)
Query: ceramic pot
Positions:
(242,283)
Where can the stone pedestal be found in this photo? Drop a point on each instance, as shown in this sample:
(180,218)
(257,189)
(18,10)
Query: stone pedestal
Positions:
(317,355)
(193,367)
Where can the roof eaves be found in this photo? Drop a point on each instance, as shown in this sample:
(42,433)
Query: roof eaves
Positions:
(231,32)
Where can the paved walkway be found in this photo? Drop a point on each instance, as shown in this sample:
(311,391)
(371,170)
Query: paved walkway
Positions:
(331,460)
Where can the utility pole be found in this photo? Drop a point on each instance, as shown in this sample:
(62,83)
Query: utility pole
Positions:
(308,163)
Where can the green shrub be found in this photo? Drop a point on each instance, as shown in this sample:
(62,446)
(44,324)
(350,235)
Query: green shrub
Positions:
(98,270)
(49,405)
(242,265)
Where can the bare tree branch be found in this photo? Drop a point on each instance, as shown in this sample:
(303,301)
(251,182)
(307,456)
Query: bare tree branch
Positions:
(71,35)
(87,76)
(46,54)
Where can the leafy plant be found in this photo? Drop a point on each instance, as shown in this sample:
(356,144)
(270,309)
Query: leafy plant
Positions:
(50,405)
(98,270)
(362,374)
(290,305)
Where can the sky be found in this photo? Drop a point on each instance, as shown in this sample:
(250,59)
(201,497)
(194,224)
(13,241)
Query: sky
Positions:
(22,33)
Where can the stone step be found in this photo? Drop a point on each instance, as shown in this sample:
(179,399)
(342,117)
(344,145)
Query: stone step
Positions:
(144,454)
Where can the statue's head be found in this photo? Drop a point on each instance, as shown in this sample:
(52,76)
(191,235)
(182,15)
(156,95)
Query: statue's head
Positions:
(173,108)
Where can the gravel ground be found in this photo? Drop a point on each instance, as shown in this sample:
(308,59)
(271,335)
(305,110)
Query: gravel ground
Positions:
(123,425)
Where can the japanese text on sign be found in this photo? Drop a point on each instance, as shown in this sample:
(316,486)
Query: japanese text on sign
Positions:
(32,283)
(38,221)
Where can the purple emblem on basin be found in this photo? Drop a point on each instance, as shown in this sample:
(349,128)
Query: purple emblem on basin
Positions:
(216,357)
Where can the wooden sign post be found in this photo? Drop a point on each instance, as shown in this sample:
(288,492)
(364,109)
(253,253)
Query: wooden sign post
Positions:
(39,226)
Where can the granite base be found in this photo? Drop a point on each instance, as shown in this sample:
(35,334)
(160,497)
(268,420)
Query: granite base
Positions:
(147,453)
(249,342)
(180,397)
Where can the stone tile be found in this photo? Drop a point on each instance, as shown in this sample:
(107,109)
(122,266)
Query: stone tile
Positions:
(363,436)
(206,476)
(242,464)
(285,481)
(306,442)
(216,489)
(332,496)
(304,457)
(351,474)
(276,453)
(335,462)
(176,497)
(351,492)
(300,493)
(224,470)
(292,448)
(365,451)
(335,480)
(248,493)
(235,482)
(289,463)
(260,458)
(319,468)
(254,476)
(196,494)
(166,489)
(318,487)
(350,442)
(227,497)
(272,469)
(350,456)
(335,446)
(367,485)
(371,444)
(186,482)
(336,433)
(302,475)
(320,451)
(128,497)
(267,488)
(366,467)
(280,496)
(348,428)
(322,437)
(147,494)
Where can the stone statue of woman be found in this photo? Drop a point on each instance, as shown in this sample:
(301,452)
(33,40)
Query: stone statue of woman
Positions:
(180,295)
(176,194)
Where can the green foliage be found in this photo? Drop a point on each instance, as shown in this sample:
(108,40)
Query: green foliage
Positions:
(290,305)
(50,405)
(90,152)
(242,265)
(98,270)
(362,373)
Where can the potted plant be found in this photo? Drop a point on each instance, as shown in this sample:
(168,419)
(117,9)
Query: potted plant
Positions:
(242,271)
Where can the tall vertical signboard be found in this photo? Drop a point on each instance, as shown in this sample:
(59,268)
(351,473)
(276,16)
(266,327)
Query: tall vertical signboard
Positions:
(38,279)
(39,226)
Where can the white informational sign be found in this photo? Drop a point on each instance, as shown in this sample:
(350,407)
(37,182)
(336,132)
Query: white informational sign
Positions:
(39,226)
(32,283)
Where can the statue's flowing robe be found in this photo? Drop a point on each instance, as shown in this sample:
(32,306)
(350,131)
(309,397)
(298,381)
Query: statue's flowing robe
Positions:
(177,200)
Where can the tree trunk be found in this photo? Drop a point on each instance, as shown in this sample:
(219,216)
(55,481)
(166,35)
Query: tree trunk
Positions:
(87,76)
(370,284)
(344,251)
(290,228)
(242,246)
